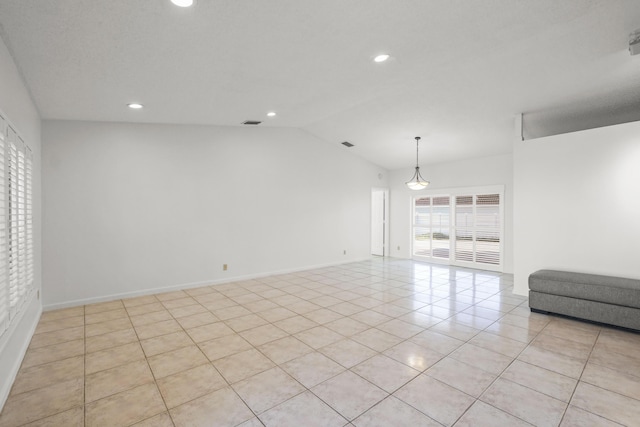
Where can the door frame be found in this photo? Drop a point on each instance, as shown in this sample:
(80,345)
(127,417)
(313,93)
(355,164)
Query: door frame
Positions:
(385,221)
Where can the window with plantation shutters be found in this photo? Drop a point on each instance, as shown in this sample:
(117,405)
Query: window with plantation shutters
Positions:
(16,224)
(461,229)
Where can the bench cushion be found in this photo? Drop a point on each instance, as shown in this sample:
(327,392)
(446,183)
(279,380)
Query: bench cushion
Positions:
(591,287)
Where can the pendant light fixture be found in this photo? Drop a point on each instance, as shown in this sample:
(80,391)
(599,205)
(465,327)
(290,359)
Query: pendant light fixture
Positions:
(417,182)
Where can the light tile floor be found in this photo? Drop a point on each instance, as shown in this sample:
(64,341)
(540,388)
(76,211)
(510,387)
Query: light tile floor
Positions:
(384,342)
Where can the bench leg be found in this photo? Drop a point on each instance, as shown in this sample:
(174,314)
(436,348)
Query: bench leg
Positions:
(535,310)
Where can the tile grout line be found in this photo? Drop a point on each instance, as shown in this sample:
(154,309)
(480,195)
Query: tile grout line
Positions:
(595,342)
(475,399)
(497,378)
(337,285)
(146,359)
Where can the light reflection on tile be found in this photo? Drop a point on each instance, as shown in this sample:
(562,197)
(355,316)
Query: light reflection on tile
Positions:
(413,355)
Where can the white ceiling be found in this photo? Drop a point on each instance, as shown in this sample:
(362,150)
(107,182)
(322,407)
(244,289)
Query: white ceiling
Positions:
(460,69)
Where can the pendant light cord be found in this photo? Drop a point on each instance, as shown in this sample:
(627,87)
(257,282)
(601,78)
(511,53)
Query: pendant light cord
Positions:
(417,143)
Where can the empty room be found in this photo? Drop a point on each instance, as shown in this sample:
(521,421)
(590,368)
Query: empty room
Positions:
(319,213)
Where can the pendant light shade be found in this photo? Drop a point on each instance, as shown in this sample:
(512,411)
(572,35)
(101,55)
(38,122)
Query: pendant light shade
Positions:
(417,182)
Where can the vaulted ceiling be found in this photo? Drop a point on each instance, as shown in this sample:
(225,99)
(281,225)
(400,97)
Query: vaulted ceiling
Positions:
(459,71)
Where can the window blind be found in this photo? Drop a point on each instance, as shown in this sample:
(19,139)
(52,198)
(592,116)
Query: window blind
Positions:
(488,228)
(14,293)
(4,286)
(29,255)
(478,228)
(464,228)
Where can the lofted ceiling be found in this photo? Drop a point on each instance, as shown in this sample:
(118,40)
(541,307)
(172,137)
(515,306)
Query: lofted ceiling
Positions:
(459,72)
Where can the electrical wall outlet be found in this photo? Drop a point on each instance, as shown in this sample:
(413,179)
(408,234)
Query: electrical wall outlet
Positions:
(344,252)
(398,247)
(224,267)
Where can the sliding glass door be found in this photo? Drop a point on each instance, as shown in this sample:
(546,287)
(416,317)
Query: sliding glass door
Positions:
(460,229)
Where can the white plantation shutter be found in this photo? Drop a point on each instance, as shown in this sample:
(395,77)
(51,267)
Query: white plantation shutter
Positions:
(478,229)
(12,177)
(464,228)
(21,224)
(16,224)
(29,256)
(4,284)
(488,229)
(440,227)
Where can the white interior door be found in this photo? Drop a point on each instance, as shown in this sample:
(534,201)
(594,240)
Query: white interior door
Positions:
(378,221)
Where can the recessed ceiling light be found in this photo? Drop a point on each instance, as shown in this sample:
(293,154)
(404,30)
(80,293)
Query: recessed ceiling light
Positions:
(135,106)
(183,3)
(381,58)
(271,114)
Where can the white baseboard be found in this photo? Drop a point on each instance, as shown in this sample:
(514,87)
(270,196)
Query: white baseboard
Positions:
(151,291)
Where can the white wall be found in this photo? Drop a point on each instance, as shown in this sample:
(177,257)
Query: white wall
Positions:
(133,208)
(16,104)
(577,203)
(495,170)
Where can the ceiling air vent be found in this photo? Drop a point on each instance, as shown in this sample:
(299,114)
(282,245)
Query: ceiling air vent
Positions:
(251,122)
(347,144)
(634,42)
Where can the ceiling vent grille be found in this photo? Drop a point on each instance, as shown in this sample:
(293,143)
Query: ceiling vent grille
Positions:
(347,144)
(634,43)
(251,122)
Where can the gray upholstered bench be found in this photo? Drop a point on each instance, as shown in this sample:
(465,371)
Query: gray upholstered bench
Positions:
(602,299)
